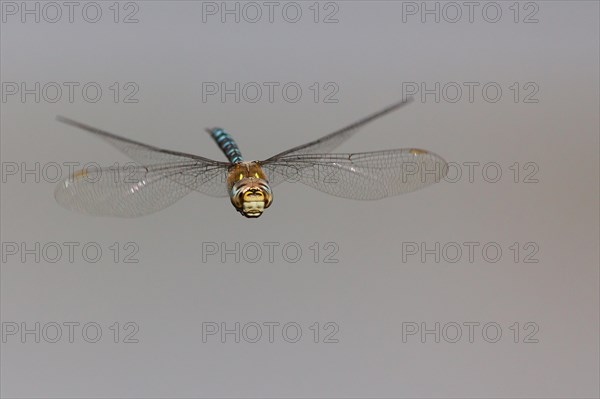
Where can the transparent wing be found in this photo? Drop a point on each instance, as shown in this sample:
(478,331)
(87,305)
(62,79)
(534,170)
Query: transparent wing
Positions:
(333,140)
(208,177)
(143,154)
(364,176)
(131,191)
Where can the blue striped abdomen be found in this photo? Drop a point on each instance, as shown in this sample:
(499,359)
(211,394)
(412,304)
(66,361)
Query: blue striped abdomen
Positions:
(227,145)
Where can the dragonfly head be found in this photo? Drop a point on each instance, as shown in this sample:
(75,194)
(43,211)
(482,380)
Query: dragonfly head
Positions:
(251,196)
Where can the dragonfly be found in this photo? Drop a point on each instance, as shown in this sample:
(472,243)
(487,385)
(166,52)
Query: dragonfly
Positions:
(160,177)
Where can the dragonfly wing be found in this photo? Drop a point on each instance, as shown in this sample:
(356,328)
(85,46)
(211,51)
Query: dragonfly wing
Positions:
(126,192)
(143,154)
(333,140)
(207,179)
(363,176)
(197,173)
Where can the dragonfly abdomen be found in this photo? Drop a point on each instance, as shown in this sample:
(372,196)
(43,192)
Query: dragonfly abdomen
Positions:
(227,144)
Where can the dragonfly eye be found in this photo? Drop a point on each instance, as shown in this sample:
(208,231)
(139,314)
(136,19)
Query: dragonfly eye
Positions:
(251,198)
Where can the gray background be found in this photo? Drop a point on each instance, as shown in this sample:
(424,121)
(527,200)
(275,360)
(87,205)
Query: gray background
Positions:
(370,292)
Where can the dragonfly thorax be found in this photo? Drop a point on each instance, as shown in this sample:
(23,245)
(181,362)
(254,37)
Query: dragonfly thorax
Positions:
(249,189)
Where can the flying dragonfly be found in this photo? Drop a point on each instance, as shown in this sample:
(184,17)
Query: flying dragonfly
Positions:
(160,177)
